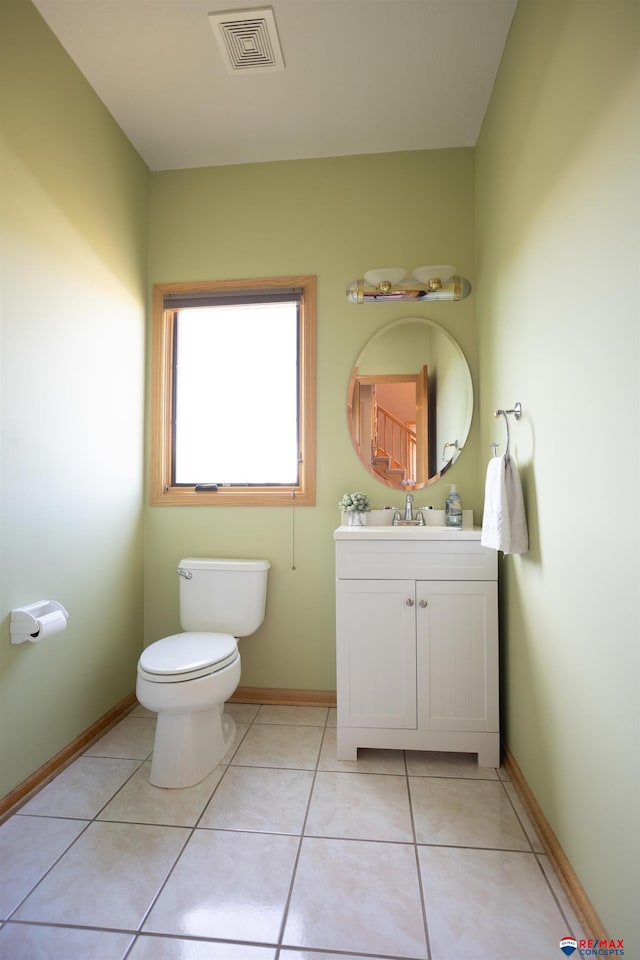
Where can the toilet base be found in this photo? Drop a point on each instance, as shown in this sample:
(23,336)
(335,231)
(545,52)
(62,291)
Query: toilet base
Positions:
(189,745)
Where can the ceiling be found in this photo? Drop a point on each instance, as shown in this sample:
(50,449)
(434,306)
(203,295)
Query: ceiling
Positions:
(361,76)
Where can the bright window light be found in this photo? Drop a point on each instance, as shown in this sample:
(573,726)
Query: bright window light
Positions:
(236,394)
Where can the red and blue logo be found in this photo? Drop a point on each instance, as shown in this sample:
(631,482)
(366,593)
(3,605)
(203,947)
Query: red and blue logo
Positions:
(568,945)
(592,947)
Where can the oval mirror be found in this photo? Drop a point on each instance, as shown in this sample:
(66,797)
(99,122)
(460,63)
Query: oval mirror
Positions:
(409,403)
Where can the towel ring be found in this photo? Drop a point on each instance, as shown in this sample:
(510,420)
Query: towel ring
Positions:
(517,413)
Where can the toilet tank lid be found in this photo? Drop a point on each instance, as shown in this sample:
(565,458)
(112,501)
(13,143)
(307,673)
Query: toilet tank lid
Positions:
(222,563)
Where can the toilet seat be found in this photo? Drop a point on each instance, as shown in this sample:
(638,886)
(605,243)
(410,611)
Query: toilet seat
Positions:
(187,656)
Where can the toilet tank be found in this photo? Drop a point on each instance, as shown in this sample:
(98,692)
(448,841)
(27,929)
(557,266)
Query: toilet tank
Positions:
(222,596)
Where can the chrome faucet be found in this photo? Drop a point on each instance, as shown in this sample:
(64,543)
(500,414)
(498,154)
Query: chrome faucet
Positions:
(408,507)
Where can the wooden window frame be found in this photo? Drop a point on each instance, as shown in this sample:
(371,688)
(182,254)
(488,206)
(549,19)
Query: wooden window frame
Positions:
(162,492)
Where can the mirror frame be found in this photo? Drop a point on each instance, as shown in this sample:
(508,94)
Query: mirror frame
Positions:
(417,376)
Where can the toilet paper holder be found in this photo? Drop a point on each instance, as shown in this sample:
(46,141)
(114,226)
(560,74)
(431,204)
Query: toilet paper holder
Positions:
(37,620)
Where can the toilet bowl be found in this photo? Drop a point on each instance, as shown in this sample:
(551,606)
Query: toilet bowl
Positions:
(192,732)
(187,677)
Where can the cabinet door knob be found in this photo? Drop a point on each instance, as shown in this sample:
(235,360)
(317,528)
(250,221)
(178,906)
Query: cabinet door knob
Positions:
(423,603)
(409,602)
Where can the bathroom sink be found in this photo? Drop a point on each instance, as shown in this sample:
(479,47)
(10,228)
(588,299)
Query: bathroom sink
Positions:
(379,527)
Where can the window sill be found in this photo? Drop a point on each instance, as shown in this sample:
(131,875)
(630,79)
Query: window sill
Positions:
(232,497)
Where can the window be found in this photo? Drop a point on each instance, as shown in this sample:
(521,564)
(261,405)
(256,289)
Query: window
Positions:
(233,392)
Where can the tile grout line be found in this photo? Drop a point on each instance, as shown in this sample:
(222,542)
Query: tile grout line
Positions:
(570,925)
(417,856)
(285,912)
(518,818)
(536,855)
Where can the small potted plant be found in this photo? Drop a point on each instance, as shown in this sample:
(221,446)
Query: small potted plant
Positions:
(355,507)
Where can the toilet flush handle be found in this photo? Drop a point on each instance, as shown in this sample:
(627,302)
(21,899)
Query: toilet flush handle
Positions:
(184,573)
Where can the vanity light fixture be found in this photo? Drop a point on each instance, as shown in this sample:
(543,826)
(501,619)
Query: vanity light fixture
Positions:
(438,282)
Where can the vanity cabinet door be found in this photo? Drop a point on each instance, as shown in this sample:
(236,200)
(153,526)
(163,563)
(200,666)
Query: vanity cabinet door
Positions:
(457,655)
(376,653)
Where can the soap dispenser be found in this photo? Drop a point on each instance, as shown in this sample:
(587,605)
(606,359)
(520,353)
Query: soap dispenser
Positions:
(453,509)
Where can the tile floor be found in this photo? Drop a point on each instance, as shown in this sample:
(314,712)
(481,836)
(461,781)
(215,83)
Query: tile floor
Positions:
(282,853)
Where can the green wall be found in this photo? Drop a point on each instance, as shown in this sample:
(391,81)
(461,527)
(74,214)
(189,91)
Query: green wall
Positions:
(558,311)
(333,218)
(74,237)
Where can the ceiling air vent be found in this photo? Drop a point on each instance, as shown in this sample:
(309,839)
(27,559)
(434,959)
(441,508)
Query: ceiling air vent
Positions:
(248,40)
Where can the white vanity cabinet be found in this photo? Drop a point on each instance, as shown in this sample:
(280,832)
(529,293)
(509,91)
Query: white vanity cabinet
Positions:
(417,641)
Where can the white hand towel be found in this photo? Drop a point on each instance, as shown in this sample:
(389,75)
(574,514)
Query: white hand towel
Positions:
(504,524)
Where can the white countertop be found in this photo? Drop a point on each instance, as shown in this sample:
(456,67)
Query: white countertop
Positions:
(388,532)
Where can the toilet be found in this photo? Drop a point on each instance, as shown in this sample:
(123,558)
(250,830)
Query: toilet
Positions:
(186,678)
